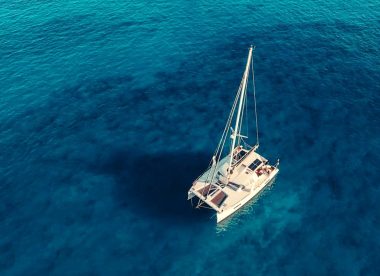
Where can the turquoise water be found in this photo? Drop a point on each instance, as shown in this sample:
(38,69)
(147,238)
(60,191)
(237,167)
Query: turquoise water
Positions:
(110,109)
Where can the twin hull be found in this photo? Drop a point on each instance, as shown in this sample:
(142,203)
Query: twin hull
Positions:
(227,212)
(240,197)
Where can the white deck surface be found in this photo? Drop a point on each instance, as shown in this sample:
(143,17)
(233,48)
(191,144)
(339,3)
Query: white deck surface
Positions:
(242,175)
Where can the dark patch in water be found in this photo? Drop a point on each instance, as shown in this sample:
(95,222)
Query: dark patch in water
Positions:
(156,185)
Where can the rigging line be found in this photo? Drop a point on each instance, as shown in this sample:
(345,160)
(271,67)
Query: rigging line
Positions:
(246,114)
(222,145)
(225,132)
(198,203)
(254,96)
(238,130)
(238,115)
(222,141)
(241,119)
(206,207)
(217,154)
(228,125)
(241,89)
(219,150)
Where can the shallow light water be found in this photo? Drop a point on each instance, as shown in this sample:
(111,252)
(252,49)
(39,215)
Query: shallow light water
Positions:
(110,109)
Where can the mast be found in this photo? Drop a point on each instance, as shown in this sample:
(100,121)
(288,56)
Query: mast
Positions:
(242,95)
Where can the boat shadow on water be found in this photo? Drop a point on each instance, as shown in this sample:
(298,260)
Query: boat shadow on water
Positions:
(156,185)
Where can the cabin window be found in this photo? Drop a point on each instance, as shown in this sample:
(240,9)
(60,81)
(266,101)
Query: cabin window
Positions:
(240,155)
(255,164)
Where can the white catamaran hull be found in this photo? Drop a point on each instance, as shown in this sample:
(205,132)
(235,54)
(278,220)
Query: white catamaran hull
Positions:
(233,180)
(226,213)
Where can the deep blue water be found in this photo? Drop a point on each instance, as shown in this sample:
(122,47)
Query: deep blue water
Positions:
(110,109)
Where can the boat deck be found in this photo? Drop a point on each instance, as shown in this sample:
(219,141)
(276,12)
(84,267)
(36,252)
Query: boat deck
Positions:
(249,174)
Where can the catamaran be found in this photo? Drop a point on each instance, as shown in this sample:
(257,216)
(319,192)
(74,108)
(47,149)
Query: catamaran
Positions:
(235,176)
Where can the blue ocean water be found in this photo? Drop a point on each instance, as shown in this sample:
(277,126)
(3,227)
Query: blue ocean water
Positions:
(110,109)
